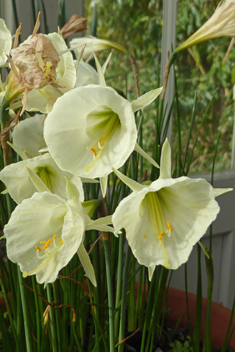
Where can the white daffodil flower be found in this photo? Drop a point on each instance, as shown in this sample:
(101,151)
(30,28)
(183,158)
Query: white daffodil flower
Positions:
(45,231)
(165,219)
(43,99)
(20,185)
(220,24)
(92,46)
(99,133)
(28,135)
(5,42)
(86,74)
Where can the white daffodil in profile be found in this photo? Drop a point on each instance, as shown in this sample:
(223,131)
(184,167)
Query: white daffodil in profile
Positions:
(20,184)
(164,220)
(93,45)
(99,131)
(220,24)
(45,231)
(5,42)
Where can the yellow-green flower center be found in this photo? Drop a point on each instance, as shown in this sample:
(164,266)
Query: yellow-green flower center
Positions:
(44,175)
(102,124)
(48,249)
(160,226)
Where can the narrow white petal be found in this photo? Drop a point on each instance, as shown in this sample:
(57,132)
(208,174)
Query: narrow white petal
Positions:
(220,191)
(100,71)
(165,163)
(106,62)
(86,263)
(151,271)
(103,185)
(139,150)
(18,151)
(39,185)
(133,185)
(146,99)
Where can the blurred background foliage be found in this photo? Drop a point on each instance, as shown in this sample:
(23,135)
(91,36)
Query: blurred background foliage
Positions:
(137,25)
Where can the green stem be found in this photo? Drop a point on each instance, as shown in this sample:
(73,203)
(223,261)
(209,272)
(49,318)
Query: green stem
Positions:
(110,294)
(124,297)
(52,319)
(25,308)
(119,284)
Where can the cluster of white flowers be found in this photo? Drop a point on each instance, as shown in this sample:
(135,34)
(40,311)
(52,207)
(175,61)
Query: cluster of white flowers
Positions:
(87,131)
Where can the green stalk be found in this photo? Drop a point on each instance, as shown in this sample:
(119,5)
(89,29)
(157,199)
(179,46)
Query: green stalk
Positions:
(197,324)
(198,131)
(149,308)
(119,284)
(207,345)
(228,335)
(132,303)
(27,330)
(110,293)
(178,124)
(51,319)
(124,297)
(190,130)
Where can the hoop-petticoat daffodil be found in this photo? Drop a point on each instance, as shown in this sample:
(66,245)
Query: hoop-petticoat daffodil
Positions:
(220,24)
(164,220)
(45,231)
(92,129)
(19,182)
(93,45)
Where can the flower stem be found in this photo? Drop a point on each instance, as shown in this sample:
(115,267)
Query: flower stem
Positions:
(25,314)
(110,293)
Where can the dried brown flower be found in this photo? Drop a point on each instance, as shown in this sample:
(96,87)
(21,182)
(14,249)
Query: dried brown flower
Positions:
(75,24)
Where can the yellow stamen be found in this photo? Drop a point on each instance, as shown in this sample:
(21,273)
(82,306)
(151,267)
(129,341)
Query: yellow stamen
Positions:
(54,237)
(62,242)
(47,68)
(169,226)
(38,248)
(145,236)
(93,151)
(160,236)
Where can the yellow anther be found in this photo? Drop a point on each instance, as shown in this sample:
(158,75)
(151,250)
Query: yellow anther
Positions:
(42,242)
(93,151)
(62,242)
(47,68)
(169,226)
(160,236)
(47,244)
(54,237)
(145,236)
(38,248)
